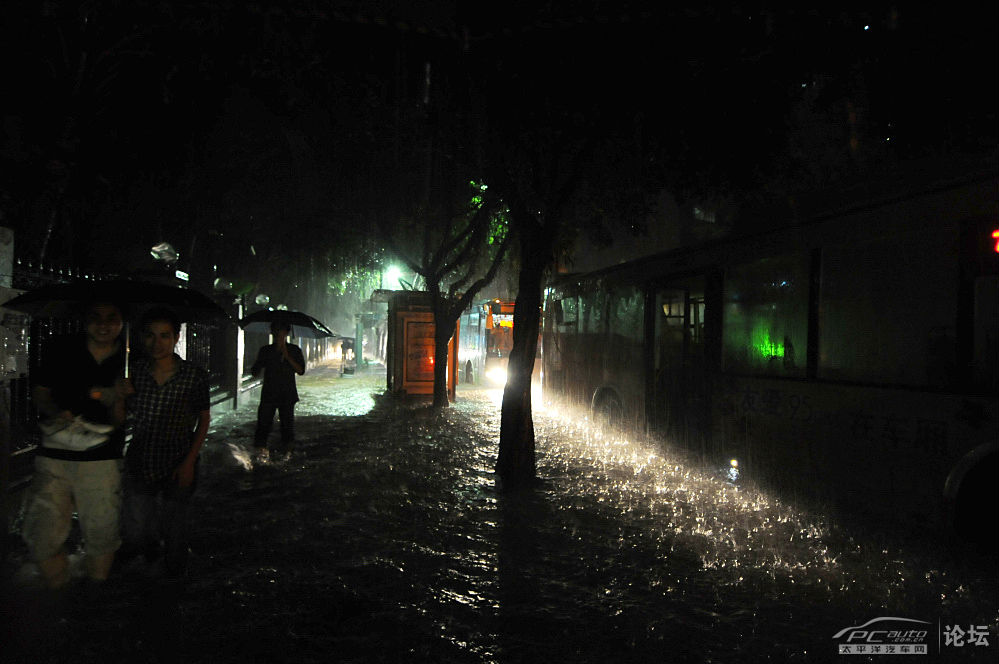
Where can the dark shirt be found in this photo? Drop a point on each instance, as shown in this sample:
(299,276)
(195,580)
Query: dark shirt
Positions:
(69,370)
(164,418)
(279,378)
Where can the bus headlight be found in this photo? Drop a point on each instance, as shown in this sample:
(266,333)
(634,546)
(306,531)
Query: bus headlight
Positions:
(497,376)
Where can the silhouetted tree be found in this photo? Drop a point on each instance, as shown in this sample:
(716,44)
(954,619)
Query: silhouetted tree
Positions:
(457,253)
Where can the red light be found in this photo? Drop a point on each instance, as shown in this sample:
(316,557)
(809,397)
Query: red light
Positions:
(995,236)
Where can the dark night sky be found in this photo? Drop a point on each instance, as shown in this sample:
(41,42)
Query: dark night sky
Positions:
(182,112)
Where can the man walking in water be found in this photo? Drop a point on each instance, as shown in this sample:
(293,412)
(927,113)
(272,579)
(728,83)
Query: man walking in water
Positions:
(279,361)
(171,414)
(79,377)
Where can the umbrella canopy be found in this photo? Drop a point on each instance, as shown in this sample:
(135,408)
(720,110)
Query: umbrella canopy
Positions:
(67,300)
(302,325)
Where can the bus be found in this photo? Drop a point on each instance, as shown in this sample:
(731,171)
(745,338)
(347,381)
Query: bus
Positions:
(485,340)
(846,356)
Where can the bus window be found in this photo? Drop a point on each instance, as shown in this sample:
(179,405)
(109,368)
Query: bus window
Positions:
(887,316)
(626,317)
(566,312)
(591,312)
(765,318)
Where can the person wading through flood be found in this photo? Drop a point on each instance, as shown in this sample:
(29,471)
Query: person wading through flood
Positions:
(279,361)
(170,414)
(79,377)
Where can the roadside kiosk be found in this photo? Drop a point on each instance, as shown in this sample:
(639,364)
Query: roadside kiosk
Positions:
(409,353)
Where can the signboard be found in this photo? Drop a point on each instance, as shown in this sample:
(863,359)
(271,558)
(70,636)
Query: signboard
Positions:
(419,347)
(502,320)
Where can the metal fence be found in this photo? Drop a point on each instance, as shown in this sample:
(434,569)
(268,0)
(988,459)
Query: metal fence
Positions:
(200,342)
(23,342)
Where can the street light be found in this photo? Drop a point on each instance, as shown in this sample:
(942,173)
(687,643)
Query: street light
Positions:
(391,277)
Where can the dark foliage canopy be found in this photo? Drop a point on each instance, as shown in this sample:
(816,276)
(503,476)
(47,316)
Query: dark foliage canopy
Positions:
(279,126)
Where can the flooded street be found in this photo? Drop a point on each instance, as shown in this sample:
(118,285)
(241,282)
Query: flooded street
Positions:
(383,539)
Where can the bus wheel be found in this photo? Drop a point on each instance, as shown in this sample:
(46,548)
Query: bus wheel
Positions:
(607,410)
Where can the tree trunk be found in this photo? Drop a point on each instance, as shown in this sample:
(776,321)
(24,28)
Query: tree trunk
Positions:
(516,465)
(442,330)
(441,339)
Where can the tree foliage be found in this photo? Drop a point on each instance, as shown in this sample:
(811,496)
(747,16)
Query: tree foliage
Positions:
(265,139)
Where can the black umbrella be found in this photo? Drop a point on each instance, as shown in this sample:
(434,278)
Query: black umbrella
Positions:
(302,324)
(67,300)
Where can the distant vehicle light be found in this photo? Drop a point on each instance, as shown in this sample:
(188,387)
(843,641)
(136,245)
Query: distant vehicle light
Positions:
(496,376)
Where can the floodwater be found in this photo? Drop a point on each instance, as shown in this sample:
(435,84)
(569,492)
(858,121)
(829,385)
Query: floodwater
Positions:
(383,539)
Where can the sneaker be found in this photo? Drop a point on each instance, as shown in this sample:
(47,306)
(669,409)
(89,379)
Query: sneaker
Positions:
(262,455)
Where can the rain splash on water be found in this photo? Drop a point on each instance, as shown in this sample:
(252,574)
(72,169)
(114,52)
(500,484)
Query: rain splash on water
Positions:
(383,538)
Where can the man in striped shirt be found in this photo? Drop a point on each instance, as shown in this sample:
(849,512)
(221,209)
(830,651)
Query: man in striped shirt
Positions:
(170,413)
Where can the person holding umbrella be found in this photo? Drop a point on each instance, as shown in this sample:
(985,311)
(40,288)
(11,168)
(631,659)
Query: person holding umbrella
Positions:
(165,444)
(279,361)
(79,379)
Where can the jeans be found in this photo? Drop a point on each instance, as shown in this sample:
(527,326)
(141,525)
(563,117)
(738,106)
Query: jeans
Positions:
(155,518)
(265,420)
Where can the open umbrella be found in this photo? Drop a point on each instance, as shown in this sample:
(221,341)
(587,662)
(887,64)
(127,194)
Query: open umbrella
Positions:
(302,324)
(67,300)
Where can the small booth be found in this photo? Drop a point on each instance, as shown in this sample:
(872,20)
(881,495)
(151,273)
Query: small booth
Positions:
(409,360)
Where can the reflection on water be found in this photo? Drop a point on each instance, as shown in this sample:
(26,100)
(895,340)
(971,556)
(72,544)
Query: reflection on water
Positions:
(383,539)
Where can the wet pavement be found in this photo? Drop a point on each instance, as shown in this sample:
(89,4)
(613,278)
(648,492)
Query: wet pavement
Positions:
(383,539)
